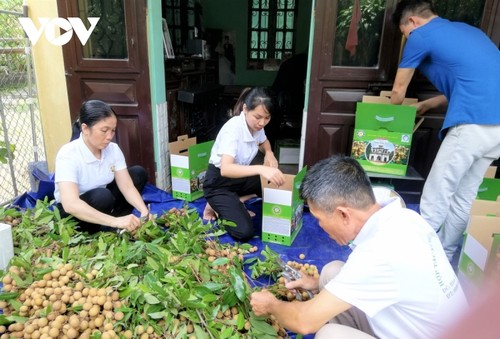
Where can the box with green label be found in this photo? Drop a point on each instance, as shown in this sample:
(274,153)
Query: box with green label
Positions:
(282,209)
(382,137)
(489,189)
(480,254)
(188,165)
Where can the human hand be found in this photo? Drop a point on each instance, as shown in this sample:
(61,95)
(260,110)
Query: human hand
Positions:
(145,217)
(305,282)
(270,160)
(421,107)
(128,222)
(273,175)
(260,302)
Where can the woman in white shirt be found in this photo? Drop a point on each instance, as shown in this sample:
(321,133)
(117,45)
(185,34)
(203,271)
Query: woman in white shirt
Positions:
(93,183)
(230,174)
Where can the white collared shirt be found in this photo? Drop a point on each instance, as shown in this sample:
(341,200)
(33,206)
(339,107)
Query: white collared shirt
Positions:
(76,163)
(399,275)
(234,139)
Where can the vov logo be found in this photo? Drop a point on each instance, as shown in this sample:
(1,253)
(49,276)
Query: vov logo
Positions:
(50,26)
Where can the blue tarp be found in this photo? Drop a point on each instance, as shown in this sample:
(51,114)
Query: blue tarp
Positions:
(311,241)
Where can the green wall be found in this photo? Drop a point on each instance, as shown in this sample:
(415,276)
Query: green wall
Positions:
(231,15)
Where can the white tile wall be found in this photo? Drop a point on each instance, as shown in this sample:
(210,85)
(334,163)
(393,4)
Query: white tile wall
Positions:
(163,180)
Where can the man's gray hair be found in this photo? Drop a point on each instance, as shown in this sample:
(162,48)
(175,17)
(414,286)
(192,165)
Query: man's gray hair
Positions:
(337,181)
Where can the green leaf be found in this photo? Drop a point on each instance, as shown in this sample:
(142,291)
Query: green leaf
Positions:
(238,283)
(260,325)
(151,299)
(9,295)
(200,333)
(13,319)
(151,262)
(5,320)
(157,315)
(45,220)
(221,261)
(229,297)
(213,286)
(209,298)
(240,322)
(226,333)
(65,254)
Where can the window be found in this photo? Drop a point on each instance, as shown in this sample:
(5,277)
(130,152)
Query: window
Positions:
(368,33)
(470,12)
(184,23)
(271,28)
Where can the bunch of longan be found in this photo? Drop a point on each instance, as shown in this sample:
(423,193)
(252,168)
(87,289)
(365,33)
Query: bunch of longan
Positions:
(61,305)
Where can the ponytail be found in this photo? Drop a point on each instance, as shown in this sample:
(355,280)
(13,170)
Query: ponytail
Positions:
(238,106)
(75,130)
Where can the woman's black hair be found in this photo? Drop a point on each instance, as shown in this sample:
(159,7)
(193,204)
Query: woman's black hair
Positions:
(253,97)
(91,112)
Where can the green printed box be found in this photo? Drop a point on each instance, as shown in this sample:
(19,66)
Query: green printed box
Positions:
(188,165)
(489,189)
(480,255)
(282,209)
(382,137)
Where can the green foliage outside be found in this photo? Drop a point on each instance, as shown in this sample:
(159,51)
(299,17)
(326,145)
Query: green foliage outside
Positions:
(12,41)
(371,24)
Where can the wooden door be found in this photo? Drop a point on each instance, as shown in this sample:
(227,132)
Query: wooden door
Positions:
(113,67)
(339,80)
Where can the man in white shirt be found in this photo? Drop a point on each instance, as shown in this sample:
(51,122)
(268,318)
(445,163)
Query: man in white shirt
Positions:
(396,283)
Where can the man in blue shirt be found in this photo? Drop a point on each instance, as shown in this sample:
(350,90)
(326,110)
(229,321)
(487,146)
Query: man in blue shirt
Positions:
(464,65)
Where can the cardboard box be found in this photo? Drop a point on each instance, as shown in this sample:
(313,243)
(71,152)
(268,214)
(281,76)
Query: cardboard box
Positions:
(6,246)
(282,209)
(480,255)
(489,189)
(382,137)
(287,151)
(188,165)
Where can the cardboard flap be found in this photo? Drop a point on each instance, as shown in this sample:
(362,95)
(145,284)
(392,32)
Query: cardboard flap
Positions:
(490,172)
(386,99)
(199,154)
(297,181)
(288,186)
(181,145)
(485,208)
(393,118)
(483,229)
(489,189)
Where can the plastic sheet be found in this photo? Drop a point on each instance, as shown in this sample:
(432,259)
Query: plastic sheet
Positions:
(311,241)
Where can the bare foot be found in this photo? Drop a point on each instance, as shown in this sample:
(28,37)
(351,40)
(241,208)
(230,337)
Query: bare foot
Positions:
(211,215)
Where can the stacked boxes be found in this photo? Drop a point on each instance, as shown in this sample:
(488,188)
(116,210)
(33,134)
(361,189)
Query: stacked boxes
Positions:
(489,189)
(282,209)
(188,163)
(480,256)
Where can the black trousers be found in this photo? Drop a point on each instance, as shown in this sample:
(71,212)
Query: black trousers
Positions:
(223,194)
(109,200)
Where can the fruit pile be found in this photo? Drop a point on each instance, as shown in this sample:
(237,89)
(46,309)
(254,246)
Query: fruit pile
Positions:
(171,279)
